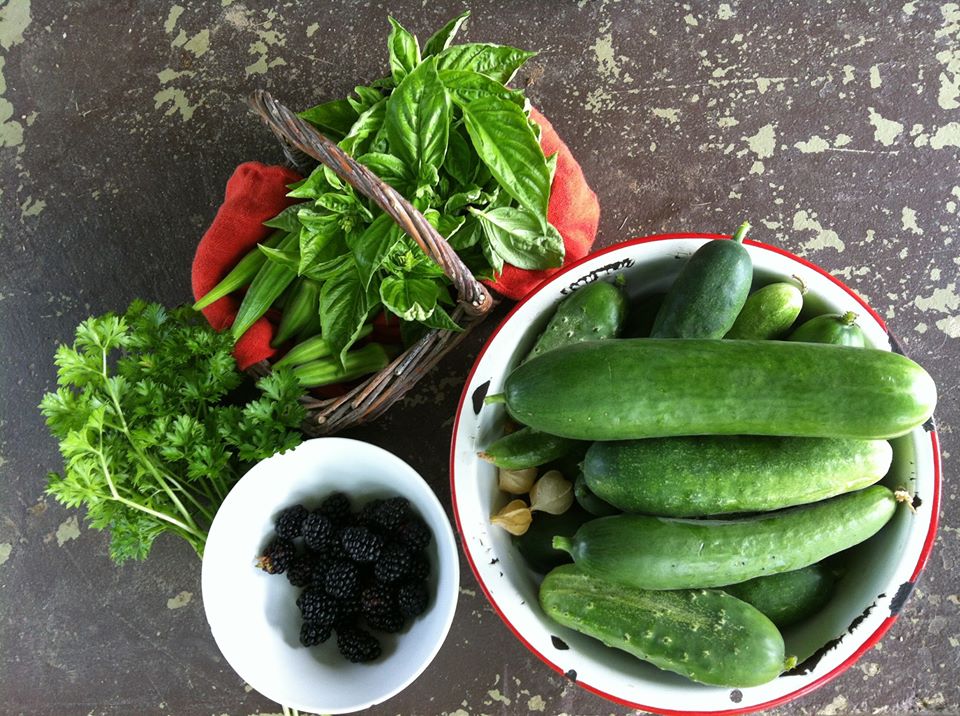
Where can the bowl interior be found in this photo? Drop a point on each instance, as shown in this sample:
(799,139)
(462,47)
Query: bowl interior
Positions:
(253,615)
(865,598)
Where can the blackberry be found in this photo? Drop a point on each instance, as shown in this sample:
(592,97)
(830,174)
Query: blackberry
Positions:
(367,514)
(389,622)
(378,599)
(289,523)
(419,567)
(361,544)
(317,531)
(336,507)
(394,563)
(391,513)
(277,556)
(357,645)
(302,570)
(412,599)
(312,633)
(341,579)
(317,606)
(414,533)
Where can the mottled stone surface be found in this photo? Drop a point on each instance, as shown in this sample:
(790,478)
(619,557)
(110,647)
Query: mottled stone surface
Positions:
(835,128)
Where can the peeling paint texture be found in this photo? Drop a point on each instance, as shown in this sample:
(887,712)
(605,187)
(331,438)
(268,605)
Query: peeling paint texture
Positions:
(833,127)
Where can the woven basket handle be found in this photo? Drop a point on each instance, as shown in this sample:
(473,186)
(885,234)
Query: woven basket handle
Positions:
(299,134)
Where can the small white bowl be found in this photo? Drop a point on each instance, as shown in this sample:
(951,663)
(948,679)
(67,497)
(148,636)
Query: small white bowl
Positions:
(253,615)
(867,600)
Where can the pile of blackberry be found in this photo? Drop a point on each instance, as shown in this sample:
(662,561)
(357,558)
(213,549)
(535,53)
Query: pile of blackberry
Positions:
(358,571)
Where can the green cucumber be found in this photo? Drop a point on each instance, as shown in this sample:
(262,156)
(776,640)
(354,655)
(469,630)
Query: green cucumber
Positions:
(589,501)
(645,387)
(709,292)
(593,312)
(527,448)
(833,328)
(536,544)
(705,635)
(713,475)
(768,312)
(302,306)
(664,553)
(789,597)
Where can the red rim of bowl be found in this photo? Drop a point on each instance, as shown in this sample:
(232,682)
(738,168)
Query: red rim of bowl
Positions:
(807,688)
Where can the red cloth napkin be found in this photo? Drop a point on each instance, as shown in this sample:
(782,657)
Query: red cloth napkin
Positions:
(257,192)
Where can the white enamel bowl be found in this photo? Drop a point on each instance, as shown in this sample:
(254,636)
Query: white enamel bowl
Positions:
(253,615)
(867,599)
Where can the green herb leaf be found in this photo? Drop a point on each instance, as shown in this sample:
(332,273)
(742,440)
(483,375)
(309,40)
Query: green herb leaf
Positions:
(344,306)
(412,299)
(404,51)
(460,200)
(441,319)
(465,86)
(285,257)
(441,39)
(519,237)
(418,121)
(286,219)
(505,143)
(332,118)
(468,235)
(371,248)
(366,125)
(497,62)
(552,165)
(391,169)
(460,161)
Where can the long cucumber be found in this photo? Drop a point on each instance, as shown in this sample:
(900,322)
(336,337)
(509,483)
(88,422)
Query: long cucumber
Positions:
(706,635)
(646,387)
(713,475)
(664,553)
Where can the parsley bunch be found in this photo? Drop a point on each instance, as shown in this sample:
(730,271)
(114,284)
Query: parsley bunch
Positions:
(151,432)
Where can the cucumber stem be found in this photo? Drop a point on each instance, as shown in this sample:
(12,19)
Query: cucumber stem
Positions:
(848,318)
(741,233)
(495,398)
(901,495)
(564,543)
(800,284)
(789,663)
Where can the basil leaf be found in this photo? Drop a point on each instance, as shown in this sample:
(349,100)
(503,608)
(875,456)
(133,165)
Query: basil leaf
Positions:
(344,304)
(404,51)
(316,220)
(441,39)
(418,120)
(441,319)
(506,145)
(336,202)
(469,233)
(490,253)
(449,225)
(316,244)
(372,247)
(498,62)
(329,268)
(519,237)
(366,125)
(552,165)
(460,161)
(332,118)
(290,258)
(389,168)
(313,186)
(462,199)
(413,299)
(368,96)
(286,219)
(465,86)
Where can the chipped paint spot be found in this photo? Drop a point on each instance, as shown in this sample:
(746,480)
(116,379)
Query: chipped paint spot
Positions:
(885,131)
(825,238)
(909,8)
(68,530)
(199,44)
(814,145)
(32,207)
(536,703)
(908,220)
(764,142)
(5,549)
(875,79)
(177,100)
(669,114)
(946,136)
(837,706)
(607,63)
(312,29)
(949,90)
(727,122)
(597,100)
(950,326)
(757,167)
(497,696)
(842,140)
(690,20)
(169,75)
(942,300)
(15,18)
(725,12)
(171,22)
(179,601)
(848,74)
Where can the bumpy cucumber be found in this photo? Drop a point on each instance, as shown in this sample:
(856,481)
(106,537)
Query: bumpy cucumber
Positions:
(709,292)
(768,312)
(706,635)
(536,544)
(664,553)
(593,312)
(527,448)
(698,476)
(834,328)
(789,597)
(646,387)
(589,501)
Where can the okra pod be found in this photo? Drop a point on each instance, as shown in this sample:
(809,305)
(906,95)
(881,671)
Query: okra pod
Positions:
(268,284)
(371,358)
(241,275)
(312,349)
(303,305)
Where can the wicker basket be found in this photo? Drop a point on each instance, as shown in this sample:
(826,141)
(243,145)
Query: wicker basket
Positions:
(375,395)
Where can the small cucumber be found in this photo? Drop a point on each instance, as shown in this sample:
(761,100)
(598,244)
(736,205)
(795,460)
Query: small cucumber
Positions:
(640,317)
(664,553)
(705,635)
(789,597)
(648,387)
(709,292)
(527,448)
(768,312)
(833,328)
(589,501)
(302,306)
(536,544)
(593,312)
(714,475)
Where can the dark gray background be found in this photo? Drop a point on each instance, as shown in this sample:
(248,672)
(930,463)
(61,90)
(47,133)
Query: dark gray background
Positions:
(834,127)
